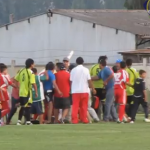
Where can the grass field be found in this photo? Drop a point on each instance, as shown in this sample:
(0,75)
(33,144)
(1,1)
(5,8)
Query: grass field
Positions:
(104,136)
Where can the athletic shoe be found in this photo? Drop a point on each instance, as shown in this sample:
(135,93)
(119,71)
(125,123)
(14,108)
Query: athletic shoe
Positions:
(19,123)
(132,122)
(62,121)
(147,120)
(95,120)
(29,123)
(2,124)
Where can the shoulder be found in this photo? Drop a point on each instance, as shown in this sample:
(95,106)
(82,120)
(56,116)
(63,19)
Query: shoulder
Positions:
(94,66)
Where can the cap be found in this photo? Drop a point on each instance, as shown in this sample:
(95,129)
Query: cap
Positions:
(66,59)
(118,61)
(62,67)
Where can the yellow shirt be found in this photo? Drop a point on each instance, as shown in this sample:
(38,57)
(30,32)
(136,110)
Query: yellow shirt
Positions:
(94,71)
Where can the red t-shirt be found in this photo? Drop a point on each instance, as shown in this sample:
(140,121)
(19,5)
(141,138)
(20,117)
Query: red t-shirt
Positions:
(63,83)
(4,83)
(121,77)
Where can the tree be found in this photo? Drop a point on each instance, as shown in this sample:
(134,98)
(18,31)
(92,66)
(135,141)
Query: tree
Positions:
(134,4)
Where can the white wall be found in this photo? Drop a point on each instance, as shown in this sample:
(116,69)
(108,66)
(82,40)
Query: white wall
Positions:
(44,41)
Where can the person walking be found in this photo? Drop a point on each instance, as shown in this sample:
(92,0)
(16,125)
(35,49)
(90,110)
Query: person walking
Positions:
(80,83)
(106,74)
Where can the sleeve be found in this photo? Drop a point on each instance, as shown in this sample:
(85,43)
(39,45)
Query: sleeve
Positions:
(91,74)
(143,86)
(88,75)
(109,71)
(125,76)
(52,76)
(43,78)
(71,75)
(32,79)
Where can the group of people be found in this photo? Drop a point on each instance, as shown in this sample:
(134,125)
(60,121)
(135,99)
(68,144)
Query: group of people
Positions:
(70,93)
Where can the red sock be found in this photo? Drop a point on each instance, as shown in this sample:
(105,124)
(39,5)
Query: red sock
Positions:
(35,116)
(5,112)
(121,112)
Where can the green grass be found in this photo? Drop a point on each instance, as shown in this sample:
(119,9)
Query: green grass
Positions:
(103,136)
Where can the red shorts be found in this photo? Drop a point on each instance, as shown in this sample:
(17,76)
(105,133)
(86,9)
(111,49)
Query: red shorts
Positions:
(120,96)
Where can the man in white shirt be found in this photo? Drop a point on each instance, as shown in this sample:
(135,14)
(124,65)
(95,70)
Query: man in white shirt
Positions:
(81,81)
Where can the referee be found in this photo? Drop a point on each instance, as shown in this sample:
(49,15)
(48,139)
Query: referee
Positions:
(140,97)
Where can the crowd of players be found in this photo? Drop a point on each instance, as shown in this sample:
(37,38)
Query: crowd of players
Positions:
(70,93)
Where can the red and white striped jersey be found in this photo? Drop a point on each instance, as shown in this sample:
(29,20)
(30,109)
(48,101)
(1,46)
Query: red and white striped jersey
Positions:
(121,78)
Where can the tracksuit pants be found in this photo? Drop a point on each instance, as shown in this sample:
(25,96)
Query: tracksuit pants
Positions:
(80,101)
(136,102)
(109,106)
(120,99)
(5,108)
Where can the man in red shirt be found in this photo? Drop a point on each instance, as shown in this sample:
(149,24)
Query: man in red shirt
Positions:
(121,79)
(63,83)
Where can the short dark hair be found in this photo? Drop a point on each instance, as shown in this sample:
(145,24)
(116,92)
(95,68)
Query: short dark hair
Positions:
(103,62)
(72,66)
(115,69)
(141,72)
(79,61)
(129,62)
(2,68)
(60,66)
(123,65)
(50,66)
(29,62)
(102,57)
(34,70)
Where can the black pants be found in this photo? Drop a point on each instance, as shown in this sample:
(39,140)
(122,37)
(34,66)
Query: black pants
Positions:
(13,109)
(137,101)
(129,106)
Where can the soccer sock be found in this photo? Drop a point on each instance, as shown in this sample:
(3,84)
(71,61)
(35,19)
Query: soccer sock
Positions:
(21,112)
(27,114)
(121,112)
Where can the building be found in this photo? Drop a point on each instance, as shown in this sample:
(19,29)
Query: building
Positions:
(89,33)
(137,55)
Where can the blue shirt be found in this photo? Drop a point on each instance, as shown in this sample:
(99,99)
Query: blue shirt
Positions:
(104,74)
(48,84)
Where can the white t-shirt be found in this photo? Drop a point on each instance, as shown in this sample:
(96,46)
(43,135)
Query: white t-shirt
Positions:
(79,77)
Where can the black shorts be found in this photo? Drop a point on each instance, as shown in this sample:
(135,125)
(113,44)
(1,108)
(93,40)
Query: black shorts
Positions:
(101,93)
(49,96)
(24,102)
(61,102)
(37,108)
(130,100)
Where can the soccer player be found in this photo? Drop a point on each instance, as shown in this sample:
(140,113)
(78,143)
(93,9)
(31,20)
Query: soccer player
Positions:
(99,86)
(26,80)
(4,96)
(140,97)
(133,75)
(80,83)
(38,105)
(48,89)
(121,79)
(63,83)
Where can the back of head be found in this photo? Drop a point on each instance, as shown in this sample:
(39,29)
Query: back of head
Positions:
(60,66)
(102,57)
(103,62)
(123,65)
(72,66)
(141,72)
(129,62)
(34,70)
(79,61)
(50,66)
(2,68)
(115,69)
(29,62)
